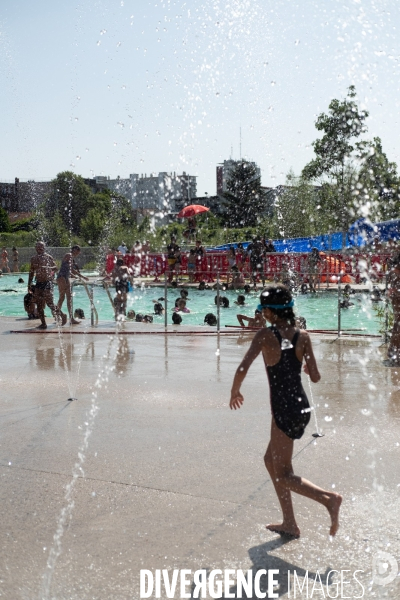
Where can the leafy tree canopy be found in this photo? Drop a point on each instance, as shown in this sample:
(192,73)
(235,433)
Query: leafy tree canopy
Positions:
(4,221)
(244,200)
(378,186)
(341,126)
(71,198)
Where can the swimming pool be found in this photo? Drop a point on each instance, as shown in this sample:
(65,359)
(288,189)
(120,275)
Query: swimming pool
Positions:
(320,310)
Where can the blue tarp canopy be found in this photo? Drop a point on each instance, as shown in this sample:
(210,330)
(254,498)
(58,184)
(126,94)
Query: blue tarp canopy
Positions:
(360,233)
(326,242)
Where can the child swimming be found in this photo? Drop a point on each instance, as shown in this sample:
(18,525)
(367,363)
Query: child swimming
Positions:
(289,404)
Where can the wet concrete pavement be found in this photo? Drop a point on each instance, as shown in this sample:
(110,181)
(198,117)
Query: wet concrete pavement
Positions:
(163,475)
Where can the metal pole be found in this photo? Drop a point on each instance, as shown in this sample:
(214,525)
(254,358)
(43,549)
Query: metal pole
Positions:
(386,336)
(339,309)
(165,299)
(91,307)
(72,299)
(218,307)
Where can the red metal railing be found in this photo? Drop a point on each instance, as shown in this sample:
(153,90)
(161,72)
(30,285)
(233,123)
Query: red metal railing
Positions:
(355,267)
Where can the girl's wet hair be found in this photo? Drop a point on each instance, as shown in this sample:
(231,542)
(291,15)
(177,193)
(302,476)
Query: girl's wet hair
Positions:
(278,294)
(158,308)
(210,319)
(176,319)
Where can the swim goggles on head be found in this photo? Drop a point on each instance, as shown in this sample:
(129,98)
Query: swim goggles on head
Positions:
(288,305)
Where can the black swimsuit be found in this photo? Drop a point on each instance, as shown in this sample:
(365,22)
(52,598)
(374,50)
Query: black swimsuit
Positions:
(289,403)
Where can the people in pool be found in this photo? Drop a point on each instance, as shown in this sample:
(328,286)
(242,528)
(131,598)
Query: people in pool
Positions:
(257,321)
(289,404)
(304,288)
(181,306)
(158,308)
(223,301)
(301,322)
(176,318)
(346,303)
(210,319)
(375,295)
(237,279)
(30,304)
(241,300)
(139,318)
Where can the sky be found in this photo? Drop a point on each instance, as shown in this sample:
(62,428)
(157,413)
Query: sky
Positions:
(112,87)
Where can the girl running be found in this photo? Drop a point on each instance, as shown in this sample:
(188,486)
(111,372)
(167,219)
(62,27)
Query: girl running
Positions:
(283,348)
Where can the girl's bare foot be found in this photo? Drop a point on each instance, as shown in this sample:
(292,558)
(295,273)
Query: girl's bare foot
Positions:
(333,507)
(284,529)
(42,326)
(74,322)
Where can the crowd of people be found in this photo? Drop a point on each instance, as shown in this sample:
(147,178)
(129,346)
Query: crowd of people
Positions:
(5,262)
(46,274)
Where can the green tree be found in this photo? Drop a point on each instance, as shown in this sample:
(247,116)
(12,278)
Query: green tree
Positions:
(334,154)
(54,233)
(295,211)
(93,226)
(244,200)
(71,198)
(377,190)
(4,221)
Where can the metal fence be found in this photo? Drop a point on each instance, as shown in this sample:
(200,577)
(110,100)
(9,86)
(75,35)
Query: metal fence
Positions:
(88,257)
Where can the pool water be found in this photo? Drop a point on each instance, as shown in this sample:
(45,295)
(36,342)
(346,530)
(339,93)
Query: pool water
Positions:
(319,310)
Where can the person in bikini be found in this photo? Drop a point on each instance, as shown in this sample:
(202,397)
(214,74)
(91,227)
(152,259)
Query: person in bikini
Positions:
(4,261)
(15,256)
(283,348)
(69,269)
(43,268)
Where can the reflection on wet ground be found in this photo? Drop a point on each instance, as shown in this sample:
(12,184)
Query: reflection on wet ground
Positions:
(173,479)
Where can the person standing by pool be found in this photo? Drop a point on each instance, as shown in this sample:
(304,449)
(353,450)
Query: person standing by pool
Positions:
(4,261)
(199,251)
(240,255)
(122,279)
(256,251)
(172,252)
(15,260)
(191,265)
(43,268)
(269,246)
(313,264)
(289,404)
(69,269)
(231,258)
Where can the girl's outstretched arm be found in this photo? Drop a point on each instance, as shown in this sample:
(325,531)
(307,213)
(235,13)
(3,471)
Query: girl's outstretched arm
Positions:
(310,368)
(241,372)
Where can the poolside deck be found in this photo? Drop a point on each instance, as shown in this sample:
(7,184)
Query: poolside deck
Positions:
(170,477)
